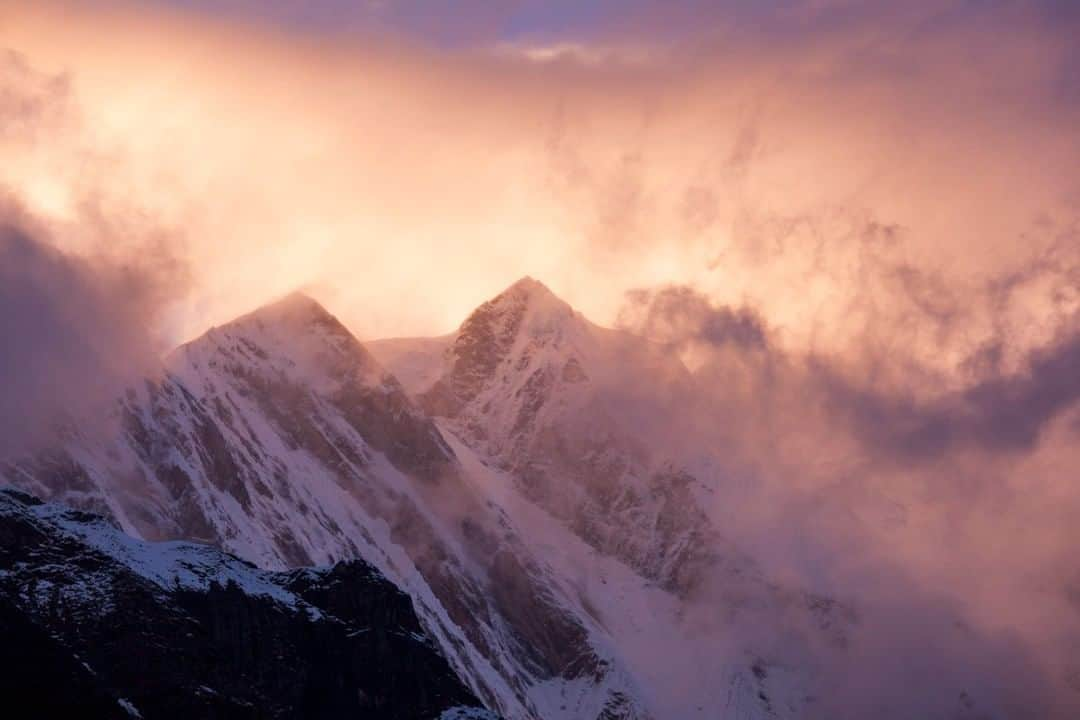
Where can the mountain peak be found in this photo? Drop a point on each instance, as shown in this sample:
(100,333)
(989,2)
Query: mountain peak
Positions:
(528,285)
(527,297)
(296,307)
(530,289)
(288,319)
(294,334)
(517,323)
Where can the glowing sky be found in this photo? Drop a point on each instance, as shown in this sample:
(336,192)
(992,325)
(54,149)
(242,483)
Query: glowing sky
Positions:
(886,193)
(754,154)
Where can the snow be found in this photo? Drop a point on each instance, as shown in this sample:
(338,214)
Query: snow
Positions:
(341,505)
(467,713)
(676,669)
(169,565)
(129,708)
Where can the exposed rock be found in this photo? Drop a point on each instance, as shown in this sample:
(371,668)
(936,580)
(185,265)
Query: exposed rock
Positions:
(106,626)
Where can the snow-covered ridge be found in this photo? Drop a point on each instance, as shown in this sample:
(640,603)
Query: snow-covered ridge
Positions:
(570,410)
(294,338)
(175,630)
(527,491)
(171,566)
(279,438)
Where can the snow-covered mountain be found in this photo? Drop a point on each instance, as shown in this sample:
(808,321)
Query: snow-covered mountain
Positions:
(569,410)
(519,479)
(278,437)
(572,425)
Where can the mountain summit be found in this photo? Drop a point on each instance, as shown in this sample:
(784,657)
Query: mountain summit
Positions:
(527,487)
(280,438)
(570,409)
(535,295)
(514,325)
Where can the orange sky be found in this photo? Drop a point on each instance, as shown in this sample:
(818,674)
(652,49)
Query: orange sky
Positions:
(896,202)
(403,184)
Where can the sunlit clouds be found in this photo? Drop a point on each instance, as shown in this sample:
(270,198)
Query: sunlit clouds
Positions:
(857,223)
(777,171)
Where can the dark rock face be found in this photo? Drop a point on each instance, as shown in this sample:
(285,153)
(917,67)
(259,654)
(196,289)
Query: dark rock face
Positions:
(39,673)
(482,344)
(94,624)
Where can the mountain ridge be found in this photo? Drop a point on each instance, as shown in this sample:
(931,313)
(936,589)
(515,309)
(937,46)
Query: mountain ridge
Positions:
(172,630)
(277,437)
(550,535)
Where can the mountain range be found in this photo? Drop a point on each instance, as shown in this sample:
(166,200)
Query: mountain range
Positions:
(557,553)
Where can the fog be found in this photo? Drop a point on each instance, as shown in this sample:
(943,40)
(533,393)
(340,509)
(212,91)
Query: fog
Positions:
(857,224)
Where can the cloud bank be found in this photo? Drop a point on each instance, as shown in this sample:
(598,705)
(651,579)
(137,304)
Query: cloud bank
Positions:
(780,158)
(941,508)
(858,222)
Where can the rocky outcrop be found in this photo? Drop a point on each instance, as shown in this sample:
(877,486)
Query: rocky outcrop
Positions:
(96,624)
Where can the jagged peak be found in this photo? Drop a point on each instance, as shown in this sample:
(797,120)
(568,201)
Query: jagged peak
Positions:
(528,285)
(531,290)
(527,297)
(294,314)
(521,320)
(297,306)
(293,328)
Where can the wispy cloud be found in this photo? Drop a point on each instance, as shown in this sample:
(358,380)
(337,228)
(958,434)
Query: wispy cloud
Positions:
(858,220)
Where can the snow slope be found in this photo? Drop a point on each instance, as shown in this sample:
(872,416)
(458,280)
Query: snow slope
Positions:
(571,411)
(278,437)
(522,482)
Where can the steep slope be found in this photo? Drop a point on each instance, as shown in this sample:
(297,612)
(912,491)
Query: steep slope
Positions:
(684,668)
(574,413)
(575,432)
(528,490)
(581,423)
(123,628)
(278,437)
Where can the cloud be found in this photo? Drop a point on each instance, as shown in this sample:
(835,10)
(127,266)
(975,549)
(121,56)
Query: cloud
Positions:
(937,505)
(857,221)
(743,158)
(1002,413)
(679,315)
(74,331)
(77,327)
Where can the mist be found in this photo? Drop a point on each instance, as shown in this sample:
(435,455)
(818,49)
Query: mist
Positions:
(749,164)
(938,508)
(857,224)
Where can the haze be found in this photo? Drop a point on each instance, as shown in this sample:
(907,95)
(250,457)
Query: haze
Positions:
(856,223)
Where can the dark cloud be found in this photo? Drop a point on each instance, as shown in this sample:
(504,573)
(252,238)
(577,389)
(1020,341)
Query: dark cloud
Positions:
(680,315)
(74,326)
(74,331)
(1003,413)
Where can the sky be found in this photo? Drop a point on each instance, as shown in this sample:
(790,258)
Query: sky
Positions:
(857,221)
(360,150)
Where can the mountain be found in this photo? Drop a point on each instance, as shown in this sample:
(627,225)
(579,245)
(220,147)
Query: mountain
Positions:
(97,624)
(577,428)
(581,417)
(279,438)
(524,480)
